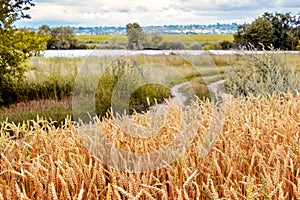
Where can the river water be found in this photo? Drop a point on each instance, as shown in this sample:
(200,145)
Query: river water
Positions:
(104,53)
(113,53)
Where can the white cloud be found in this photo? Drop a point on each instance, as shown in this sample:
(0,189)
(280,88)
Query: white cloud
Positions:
(154,12)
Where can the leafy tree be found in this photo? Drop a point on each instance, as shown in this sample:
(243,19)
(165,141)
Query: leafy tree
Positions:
(135,36)
(284,29)
(165,46)
(16,46)
(45,29)
(62,38)
(280,30)
(260,33)
(240,36)
(11,11)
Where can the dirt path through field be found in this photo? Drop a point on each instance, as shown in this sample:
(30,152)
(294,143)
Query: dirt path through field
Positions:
(179,97)
(218,87)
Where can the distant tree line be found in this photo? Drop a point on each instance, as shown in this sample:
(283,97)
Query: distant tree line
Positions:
(271,30)
(276,30)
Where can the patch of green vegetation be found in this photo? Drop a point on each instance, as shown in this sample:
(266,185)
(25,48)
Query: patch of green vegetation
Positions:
(18,113)
(124,86)
(104,41)
(211,38)
(206,41)
(262,74)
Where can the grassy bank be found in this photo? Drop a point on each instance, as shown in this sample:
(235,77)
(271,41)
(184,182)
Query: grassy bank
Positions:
(256,157)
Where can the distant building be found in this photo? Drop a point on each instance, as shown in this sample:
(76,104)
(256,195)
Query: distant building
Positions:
(166,29)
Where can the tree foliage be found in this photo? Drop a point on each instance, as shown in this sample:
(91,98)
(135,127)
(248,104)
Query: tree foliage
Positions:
(61,38)
(260,32)
(285,27)
(279,30)
(135,36)
(16,46)
(13,10)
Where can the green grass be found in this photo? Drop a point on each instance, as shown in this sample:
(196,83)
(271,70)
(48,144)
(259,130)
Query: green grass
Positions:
(104,41)
(94,38)
(120,41)
(201,38)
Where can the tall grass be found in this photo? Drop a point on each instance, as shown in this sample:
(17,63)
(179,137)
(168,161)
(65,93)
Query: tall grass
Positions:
(265,73)
(256,157)
(56,110)
(121,81)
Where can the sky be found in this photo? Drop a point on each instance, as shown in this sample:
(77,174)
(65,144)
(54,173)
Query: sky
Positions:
(151,12)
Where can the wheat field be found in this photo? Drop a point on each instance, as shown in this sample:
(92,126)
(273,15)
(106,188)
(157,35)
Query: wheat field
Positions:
(257,156)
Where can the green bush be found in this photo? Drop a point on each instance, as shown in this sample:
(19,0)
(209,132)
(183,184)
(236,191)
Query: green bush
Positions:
(120,83)
(145,96)
(226,45)
(258,74)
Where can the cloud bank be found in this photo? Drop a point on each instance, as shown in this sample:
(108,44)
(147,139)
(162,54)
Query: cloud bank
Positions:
(152,12)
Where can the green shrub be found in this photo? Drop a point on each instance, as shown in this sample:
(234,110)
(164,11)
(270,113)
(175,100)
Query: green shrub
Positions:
(226,45)
(120,83)
(264,73)
(145,96)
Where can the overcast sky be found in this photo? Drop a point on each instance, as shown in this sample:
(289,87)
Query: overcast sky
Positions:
(152,12)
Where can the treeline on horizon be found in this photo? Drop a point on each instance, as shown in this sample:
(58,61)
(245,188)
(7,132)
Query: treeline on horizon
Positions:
(271,30)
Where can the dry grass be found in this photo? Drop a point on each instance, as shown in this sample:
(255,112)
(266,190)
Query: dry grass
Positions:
(256,157)
(57,110)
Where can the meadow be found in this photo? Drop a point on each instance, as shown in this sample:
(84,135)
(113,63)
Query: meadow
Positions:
(207,41)
(202,38)
(256,154)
